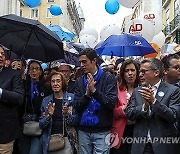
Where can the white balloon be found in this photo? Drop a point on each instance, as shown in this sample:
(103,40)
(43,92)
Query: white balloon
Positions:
(140,27)
(155,19)
(109,30)
(90,40)
(89,31)
(159,39)
(128,3)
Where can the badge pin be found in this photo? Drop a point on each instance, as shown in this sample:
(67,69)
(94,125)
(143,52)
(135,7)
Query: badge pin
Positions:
(69,98)
(160,93)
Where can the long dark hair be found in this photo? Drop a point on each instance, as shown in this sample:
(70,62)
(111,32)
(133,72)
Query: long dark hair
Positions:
(28,67)
(121,79)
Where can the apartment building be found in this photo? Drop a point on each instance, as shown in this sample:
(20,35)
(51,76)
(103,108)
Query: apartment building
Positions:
(171,20)
(10,7)
(69,18)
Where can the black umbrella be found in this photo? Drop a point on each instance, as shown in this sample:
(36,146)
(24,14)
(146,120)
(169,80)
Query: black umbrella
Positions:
(30,39)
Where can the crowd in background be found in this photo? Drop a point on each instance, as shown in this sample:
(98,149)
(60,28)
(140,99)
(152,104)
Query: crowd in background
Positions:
(129,98)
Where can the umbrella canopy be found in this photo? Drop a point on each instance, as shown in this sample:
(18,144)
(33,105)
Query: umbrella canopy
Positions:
(63,33)
(30,39)
(78,46)
(72,54)
(124,45)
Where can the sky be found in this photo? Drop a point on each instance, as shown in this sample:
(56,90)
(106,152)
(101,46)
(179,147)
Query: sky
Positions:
(96,16)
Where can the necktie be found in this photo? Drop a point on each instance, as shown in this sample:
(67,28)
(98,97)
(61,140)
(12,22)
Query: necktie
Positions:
(1,69)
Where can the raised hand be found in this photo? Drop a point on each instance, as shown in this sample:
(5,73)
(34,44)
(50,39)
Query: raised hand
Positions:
(50,108)
(148,94)
(91,83)
(66,110)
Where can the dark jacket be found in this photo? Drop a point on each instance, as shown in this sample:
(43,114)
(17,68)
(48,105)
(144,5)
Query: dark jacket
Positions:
(160,121)
(32,107)
(105,94)
(11,99)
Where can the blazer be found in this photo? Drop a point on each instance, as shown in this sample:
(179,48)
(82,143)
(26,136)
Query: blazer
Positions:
(119,116)
(11,98)
(160,121)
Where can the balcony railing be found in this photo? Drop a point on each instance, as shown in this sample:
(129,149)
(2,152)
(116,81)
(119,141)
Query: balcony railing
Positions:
(172,25)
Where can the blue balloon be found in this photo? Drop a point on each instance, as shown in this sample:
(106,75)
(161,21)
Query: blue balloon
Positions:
(55,10)
(112,6)
(32,3)
(44,66)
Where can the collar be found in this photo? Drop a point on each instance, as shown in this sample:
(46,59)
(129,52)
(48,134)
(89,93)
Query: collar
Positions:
(177,84)
(95,73)
(156,86)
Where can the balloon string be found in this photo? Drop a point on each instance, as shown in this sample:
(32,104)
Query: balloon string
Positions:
(134,10)
(135,4)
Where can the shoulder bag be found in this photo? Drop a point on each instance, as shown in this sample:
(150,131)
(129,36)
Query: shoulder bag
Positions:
(57,141)
(30,126)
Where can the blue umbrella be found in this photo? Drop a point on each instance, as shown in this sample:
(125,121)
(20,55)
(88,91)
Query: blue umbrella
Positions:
(124,45)
(63,33)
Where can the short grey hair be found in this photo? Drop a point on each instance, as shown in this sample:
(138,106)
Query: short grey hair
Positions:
(155,64)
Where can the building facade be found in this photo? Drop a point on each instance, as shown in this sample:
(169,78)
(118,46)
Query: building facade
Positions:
(69,18)
(171,20)
(10,7)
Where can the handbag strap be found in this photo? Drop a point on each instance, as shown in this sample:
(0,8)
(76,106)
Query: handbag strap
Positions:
(63,125)
(26,100)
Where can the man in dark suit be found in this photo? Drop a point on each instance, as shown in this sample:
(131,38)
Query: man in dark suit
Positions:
(11,96)
(155,109)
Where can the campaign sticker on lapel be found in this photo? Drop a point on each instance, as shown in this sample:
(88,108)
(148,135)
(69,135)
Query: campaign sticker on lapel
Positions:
(42,94)
(69,98)
(160,93)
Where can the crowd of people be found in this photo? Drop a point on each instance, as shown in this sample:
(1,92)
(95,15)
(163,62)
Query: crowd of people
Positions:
(132,107)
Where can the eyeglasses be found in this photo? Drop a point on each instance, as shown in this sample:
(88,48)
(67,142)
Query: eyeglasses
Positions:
(175,67)
(144,71)
(34,68)
(46,73)
(64,71)
(56,80)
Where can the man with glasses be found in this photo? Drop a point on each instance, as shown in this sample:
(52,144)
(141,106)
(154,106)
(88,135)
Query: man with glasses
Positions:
(155,108)
(66,70)
(172,69)
(11,97)
(172,73)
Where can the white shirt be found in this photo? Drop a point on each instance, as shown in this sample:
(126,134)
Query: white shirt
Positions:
(154,88)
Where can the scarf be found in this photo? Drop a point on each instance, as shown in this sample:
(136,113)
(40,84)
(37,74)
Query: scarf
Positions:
(34,90)
(89,116)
